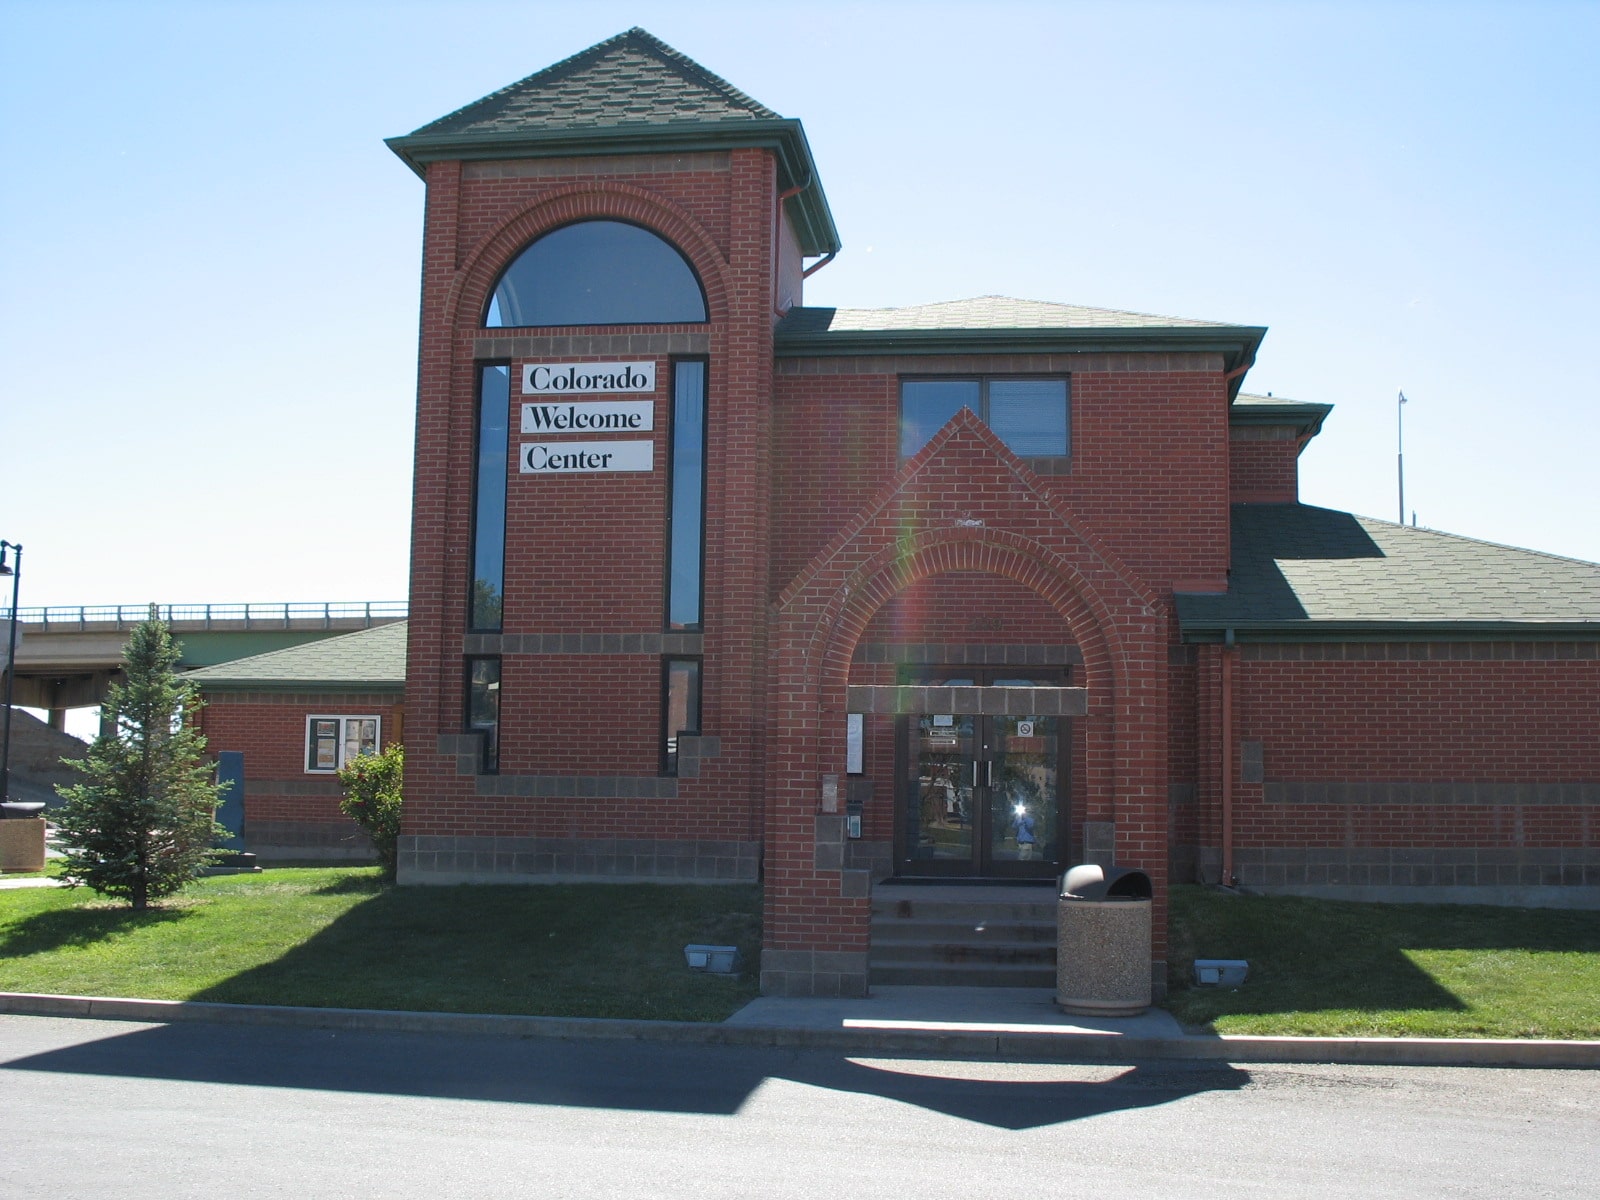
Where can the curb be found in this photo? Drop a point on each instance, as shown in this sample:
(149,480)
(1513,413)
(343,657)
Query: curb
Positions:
(1012,1046)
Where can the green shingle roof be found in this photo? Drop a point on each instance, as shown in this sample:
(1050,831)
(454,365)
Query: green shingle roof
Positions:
(1250,409)
(980,312)
(1315,570)
(629,94)
(631,79)
(369,660)
(1003,325)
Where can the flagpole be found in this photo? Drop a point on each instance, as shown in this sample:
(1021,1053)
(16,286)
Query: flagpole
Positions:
(1400,450)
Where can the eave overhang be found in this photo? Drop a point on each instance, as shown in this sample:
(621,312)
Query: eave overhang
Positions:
(1305,418)
(1236,343)
(807,209)
(1212,631)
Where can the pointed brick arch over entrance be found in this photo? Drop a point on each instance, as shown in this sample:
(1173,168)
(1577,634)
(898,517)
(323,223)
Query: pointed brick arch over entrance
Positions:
(972,499)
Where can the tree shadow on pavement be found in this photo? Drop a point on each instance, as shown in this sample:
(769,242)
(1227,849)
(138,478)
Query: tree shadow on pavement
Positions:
(622,1075)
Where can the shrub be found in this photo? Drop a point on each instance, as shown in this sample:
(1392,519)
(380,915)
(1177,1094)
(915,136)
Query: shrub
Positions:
(372,786)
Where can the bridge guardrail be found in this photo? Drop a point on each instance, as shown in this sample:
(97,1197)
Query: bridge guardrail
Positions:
(254,616)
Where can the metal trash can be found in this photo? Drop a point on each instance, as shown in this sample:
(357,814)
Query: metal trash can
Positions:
(1103,942)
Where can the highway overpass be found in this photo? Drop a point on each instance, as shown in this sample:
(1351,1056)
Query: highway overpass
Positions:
(66,655)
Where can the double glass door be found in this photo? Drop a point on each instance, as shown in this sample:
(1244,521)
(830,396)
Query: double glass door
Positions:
(980,796)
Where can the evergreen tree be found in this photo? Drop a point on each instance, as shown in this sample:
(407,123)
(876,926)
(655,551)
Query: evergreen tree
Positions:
(142,823)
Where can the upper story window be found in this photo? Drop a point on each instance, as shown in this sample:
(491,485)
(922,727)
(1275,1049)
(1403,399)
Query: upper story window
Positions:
(598,273)
(1028,415)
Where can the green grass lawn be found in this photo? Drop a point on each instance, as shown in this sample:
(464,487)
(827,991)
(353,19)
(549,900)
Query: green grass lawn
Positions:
(336,937)
(1335,968)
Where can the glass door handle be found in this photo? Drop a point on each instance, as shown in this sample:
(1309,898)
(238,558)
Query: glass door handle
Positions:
(987,776)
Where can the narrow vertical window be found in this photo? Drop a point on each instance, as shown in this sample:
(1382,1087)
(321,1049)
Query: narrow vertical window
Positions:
(483,708)
(686,496)
(680,707)
(489,500)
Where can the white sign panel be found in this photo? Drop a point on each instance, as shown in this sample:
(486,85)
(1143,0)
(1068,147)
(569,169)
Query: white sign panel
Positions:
(572,379)
(593,416)
(586,458)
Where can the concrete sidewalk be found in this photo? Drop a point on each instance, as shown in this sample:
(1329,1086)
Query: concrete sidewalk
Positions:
(951,1010)
(1009,1024)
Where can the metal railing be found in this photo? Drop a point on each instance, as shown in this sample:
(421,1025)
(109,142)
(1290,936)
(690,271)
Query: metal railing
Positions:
(66,618)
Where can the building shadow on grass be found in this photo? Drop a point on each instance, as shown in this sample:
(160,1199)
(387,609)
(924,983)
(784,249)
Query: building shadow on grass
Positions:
(622,1075)
(58,929)
(1310,955)
(591,950)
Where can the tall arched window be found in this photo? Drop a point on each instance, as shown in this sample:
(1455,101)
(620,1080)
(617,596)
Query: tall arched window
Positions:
(597,273)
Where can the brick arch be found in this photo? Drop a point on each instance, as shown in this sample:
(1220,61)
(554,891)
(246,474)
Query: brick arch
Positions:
(615,201)
(818,926)
(1046,573)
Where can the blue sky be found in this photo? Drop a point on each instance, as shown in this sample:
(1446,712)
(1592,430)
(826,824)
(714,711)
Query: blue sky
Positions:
(208,296)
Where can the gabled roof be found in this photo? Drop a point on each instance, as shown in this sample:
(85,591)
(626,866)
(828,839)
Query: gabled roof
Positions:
(630,93)
(1003,325)
(367,660)
(1315,572)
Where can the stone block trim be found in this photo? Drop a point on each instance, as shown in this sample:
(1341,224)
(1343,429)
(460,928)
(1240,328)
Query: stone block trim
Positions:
(1100,842)
(1478,794)
(601,787)
(1418,867)
(334,841)
(1419,651)
(491,859)
(990,701)
(971,654)
(293,787)
(583,643)
(561,345)
(599,166)
(693,750)
(825,973)
(1252,762)
(1180,362)
(465,748)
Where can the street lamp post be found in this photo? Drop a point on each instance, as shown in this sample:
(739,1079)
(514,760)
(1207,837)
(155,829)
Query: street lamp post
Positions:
(11,664)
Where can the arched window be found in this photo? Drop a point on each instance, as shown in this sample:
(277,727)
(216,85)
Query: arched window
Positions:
(597,273)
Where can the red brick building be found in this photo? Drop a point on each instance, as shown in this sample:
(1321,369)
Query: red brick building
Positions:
(290,719)
(707,584)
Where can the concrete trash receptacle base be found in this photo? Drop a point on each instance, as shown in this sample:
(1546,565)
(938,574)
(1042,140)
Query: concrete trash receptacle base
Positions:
(22,844)
(1103,957)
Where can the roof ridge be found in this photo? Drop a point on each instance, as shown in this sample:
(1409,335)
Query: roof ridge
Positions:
(1476,541)
(694,71)
(637,36)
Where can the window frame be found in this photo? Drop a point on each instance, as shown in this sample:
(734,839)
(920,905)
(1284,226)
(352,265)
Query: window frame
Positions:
(482,368)
(489,751)
(670,758)
(1046,464)
(673,480)
(514,259)
(341,741)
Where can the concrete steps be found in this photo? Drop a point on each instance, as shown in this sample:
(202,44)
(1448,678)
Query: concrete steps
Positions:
(935,936)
